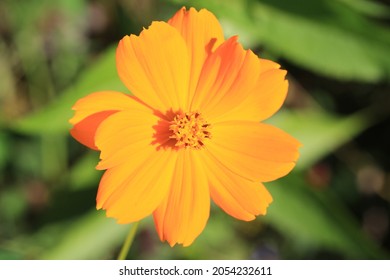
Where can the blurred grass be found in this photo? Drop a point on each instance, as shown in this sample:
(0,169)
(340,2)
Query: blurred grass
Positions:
(48,181)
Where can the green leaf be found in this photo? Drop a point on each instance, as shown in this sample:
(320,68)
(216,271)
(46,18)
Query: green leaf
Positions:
(9,255)
(369,8)
(83,173)
(90,237)
(317,219)
(54,118)
(310,217)
(320,133)
(4,149)
(327,38)
(12,205)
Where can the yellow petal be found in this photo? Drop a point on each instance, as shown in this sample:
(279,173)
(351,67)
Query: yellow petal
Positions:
(101,101)
(91,110)
(85,130)
(228,76)
(131,191)
(183,214)
(155,66)
(114,177)
(238,197)
(264,100)
(266,65)
(124,135)
(255,151)
(202,33)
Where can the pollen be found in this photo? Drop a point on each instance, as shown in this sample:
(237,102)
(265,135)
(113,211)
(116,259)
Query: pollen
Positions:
(190,130)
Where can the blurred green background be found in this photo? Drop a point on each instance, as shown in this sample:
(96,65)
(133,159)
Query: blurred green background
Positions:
(334,205)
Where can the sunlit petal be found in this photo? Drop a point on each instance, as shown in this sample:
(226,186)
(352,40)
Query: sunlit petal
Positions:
(155,66)
(264,100)
(91,110)
(202,33)
(130,192)
(184,212)
(228,71)
(112,137)
(254,151)
(239,197)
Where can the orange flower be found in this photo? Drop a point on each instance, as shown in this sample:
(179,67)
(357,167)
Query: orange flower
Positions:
(190,132)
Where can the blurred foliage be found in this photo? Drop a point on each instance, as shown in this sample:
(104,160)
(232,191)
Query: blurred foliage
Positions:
(334,205)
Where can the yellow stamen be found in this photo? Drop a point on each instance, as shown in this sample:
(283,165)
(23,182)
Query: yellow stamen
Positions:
(190,130)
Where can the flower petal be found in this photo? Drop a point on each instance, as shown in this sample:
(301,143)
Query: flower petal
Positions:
(124,135)
(255,151)
(202,33)
(266,65)
(238,197)
(131,191)
(228,76)
(100,101)
(91,110)
(155,66)
(183,214)
(85,130)
(264,100)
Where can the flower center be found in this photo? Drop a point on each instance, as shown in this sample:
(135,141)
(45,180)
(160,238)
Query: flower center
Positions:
(189,130)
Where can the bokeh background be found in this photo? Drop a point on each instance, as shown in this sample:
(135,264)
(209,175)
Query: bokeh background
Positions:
(334,205)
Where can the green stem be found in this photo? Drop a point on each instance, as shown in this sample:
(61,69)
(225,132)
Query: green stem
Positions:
(129,240)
